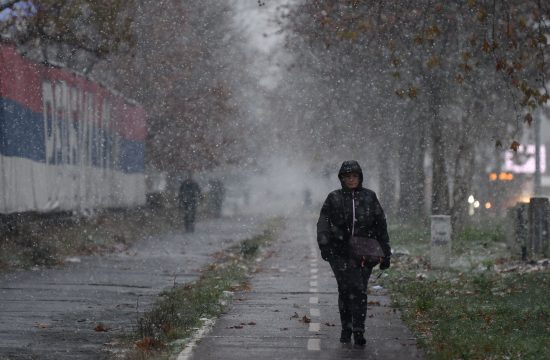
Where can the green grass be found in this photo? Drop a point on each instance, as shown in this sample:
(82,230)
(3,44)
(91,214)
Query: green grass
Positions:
(180,310)
(479,314)
(412,237)
(479,235)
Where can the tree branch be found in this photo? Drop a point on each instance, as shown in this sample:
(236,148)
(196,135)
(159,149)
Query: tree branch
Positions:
(7,3)
(541,46)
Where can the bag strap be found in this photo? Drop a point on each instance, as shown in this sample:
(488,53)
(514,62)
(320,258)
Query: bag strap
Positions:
(353,212)
(353,220)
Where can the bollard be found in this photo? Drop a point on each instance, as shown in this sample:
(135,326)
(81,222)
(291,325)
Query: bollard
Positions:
(517,230)
(440,247)
(521,225)
(539,228)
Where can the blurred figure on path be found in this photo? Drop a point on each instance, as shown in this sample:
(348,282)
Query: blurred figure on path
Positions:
(351,210)
(217,192)
(188,201)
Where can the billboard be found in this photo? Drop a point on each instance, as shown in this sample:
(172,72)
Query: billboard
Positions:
(523,160)
(66,142)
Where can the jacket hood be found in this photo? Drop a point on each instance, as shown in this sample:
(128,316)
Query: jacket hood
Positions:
(350,166)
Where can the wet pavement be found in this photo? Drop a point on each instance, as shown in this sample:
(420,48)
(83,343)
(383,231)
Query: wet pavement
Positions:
(267,322)
(289,312)
(55,313)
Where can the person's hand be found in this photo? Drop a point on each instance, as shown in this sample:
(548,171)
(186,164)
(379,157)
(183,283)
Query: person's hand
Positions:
(385,264)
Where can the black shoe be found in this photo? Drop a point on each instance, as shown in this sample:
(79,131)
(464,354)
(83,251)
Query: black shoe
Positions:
(345,336)
(359,339)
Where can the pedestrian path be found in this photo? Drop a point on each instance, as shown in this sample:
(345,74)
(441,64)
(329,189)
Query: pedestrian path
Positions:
(71,312)
(291,312)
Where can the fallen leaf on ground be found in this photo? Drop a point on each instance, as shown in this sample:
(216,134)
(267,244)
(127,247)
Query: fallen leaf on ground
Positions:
(144,344)
(101,327)
(42,326)
(305,319)
(329,324)
(148,343)
(166,328)
(374,303)
(218,255)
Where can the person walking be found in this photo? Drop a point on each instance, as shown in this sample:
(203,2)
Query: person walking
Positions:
(351,210)
(216,195)
(188,200)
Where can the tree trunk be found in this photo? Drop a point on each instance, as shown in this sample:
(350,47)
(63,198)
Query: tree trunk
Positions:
(411,170)
(464,172)
(387,180)
(440,187)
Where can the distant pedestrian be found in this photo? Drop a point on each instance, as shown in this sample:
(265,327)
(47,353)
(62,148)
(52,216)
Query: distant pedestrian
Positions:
(188,200)
(216,195)
(351,210)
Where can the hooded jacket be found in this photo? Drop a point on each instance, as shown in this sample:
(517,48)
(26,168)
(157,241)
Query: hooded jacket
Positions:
(335,222)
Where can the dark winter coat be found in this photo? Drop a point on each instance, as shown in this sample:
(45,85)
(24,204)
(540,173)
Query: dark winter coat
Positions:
(189,194)
(335,221)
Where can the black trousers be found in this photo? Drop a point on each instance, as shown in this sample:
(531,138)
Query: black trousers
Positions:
(352,282)
(189,218)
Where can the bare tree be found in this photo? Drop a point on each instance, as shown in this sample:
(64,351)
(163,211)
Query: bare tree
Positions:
(452,61)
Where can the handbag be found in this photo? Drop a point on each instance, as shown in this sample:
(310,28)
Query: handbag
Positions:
(367,250)
(364,249)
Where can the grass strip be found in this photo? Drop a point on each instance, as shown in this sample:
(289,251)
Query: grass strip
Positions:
(48,241)
(471,314)
(478,316)
(178,313)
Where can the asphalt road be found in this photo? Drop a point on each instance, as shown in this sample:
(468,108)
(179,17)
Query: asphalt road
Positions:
(53,313)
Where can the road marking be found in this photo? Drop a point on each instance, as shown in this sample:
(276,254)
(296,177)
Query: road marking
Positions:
(186,353)
(314,344)
(314,327)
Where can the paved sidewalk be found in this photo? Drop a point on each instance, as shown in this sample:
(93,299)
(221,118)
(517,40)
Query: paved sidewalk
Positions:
(53,313)
(268,321)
